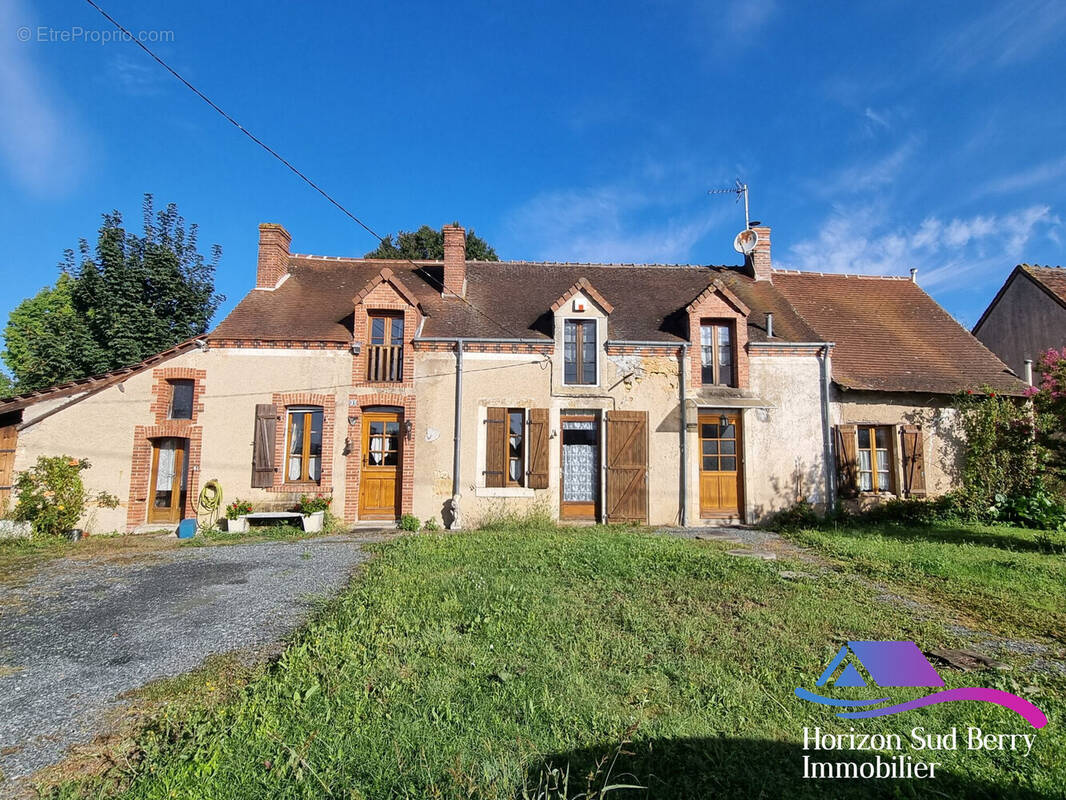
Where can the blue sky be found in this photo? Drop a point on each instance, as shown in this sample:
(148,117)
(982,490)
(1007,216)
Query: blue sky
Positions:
(902,134)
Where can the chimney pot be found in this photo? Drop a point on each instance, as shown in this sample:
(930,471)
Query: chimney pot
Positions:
(769,325)
(759,261)
(454,261)
(1029,371)
(914,274)
(273,264)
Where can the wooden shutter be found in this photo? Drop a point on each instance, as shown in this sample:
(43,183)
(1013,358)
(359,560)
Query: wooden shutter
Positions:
(496,447)
(537,442)
(266,423)
(627,466)
(847,445)
(912,452)
(8,438)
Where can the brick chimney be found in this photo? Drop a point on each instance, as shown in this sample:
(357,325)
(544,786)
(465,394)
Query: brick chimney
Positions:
(454,261)
(273,255)
(759,261)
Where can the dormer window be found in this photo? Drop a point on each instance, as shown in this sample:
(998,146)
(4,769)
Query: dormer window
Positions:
(716,353)
(579,352)
(384,352)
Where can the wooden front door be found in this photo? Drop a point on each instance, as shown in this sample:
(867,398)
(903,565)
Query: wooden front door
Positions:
(8,437)
(721,470)
(627,466)
(169,479)
(580,491)
(381,481)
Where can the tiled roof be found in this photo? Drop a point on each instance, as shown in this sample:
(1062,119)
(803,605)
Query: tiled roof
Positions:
(505,300)
(890,335)
(93,382)
(1052,278)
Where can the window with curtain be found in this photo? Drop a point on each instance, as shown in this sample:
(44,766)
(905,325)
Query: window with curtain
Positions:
(579,352)
(875,458)
(716,353)
(516,447)
(303,453)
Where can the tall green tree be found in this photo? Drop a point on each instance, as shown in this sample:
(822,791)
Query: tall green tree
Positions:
(7,386)
(427,244)
(127,298)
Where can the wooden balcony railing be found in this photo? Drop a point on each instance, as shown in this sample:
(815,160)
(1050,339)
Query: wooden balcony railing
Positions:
(384,363)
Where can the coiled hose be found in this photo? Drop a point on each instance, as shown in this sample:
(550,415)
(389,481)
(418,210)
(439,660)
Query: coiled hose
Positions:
(208,504)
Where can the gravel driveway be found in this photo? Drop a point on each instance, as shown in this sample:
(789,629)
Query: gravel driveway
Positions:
(83,631)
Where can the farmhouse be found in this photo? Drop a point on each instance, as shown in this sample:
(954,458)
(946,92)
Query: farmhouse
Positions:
(648,393)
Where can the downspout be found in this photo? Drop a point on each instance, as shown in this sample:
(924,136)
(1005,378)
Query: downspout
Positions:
(827,431)
(683,515)
(456,520)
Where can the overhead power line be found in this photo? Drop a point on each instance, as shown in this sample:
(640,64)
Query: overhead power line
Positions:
(332,200)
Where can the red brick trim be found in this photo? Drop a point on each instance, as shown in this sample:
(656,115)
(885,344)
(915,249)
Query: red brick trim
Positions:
(141,467)
(357,405)
(277,344)
(583,286)
(383,296)
(715,306)
(521,348)
(284,401)
(161,391)
(622,349)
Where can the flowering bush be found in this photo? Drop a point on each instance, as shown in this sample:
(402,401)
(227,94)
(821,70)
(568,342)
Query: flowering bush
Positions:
(309,504)
(1049,403)
(238,508)
(52,497)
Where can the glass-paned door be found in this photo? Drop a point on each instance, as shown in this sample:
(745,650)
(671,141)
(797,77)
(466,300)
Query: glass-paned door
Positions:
(581,466)
(169,479)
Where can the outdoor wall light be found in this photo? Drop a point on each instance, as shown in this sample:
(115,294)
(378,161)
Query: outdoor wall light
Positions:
(408,427)
(347,451)
(723,421)
(352,421)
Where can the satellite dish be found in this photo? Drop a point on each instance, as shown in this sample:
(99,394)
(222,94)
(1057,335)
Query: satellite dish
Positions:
(746,241)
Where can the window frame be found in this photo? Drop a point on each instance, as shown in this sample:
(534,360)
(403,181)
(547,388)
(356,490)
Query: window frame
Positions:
(389,320)
(715,347)
(291,412)
(520,481)
(580,324)
(872,450)
(173,384)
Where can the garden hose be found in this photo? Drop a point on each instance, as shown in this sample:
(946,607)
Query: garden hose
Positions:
(209,503)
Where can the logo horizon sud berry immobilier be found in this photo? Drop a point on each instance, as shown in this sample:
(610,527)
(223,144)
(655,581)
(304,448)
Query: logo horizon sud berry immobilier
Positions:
(892,664)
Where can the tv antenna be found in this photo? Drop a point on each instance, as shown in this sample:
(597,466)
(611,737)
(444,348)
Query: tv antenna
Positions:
(740,189)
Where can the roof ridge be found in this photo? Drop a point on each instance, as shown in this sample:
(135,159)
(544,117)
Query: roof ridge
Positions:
(783,271)
(513,262)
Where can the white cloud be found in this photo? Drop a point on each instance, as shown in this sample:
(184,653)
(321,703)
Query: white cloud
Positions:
(1027,179)
(726,26)
(861,241)
(867,174)
(637,223)
(1007,34)
(878,119)
(136,76)
(39,143)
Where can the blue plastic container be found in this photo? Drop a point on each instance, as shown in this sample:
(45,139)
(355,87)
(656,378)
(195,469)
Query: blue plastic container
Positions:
(186,528)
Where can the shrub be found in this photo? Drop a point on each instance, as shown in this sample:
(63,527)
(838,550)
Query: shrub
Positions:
(794,518)
(919,511)
(52,497)
(409,522)
(310,505)
(1002,456)
(1038,510)
(431,524)
(238,508)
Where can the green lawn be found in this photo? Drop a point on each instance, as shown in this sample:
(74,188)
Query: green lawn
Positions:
(999,578)
(489,664)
